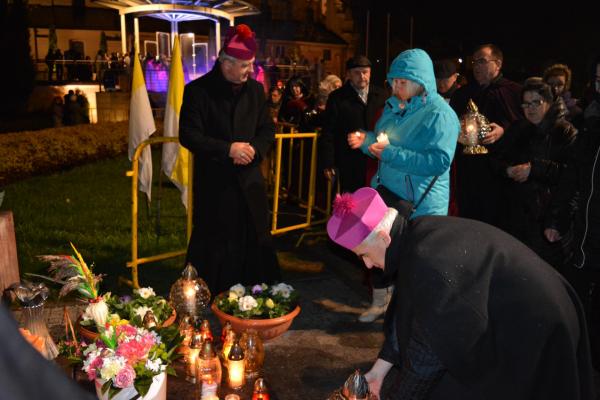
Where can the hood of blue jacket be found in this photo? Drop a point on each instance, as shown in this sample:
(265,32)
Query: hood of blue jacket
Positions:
(415,65)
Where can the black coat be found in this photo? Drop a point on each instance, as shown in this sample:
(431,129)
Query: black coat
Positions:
(345,112)
(549,147)
(576,187)
(478,188)
(502,322)
(231,241)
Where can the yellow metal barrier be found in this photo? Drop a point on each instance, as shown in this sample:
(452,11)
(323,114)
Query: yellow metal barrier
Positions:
(135,261)
(312,178)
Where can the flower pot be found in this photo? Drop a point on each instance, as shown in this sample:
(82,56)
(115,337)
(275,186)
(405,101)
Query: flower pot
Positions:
(157,391)
(266,328)
(92,335)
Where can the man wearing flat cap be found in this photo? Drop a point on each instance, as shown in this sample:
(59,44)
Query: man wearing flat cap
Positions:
(225,123)
(475,314)
(354,106)
(446,77)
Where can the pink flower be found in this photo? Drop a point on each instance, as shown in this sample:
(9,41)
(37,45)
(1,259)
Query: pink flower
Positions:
(132,351)
(94,365)
(128,330)
(125,377)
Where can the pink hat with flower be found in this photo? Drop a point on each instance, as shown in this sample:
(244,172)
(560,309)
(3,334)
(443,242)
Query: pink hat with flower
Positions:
(240,42)
(355,215)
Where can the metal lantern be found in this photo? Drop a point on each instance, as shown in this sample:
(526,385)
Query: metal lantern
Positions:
(261,392)
(356,387)
(189,294)
(475,127)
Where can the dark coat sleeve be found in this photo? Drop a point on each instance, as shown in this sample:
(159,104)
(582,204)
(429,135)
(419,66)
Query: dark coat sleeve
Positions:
(327,148)
(549,170)
(192,126)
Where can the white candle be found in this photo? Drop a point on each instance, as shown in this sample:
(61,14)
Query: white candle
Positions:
(383,138)
(235,369)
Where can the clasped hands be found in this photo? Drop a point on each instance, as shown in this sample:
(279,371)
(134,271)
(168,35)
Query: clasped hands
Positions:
(242,153)
(356,139)
(519,173)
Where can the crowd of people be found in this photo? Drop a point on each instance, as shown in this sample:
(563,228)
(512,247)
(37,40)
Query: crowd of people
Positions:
(527,205)
(71,109)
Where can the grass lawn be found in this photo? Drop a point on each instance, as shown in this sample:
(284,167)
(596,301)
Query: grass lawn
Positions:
(90,206)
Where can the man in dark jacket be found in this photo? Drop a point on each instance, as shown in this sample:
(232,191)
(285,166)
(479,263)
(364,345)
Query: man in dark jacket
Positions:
(478,188)
(355,106)
(475,313)
(225,123)
(350,108)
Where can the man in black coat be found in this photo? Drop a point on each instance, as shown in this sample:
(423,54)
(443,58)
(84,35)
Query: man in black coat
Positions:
(478,188)
(475,313)
(225,123)
(354,106)
(350,108)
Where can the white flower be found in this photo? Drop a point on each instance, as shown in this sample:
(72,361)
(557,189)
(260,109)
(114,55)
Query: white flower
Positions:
(97,311)
(153,365)
(247,303)
(145,292)
(91,348)
(238,289)
(283,289)
(141,311)
(90,356)
(232,296)
(111,367)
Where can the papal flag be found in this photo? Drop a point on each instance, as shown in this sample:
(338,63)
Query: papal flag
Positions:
(175,158)
(141,126)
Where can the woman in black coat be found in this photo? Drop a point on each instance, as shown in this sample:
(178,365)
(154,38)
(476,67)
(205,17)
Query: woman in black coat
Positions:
(536,152)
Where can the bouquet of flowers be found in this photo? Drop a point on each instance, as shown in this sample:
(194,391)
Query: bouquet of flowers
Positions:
(258,301)
(126,356)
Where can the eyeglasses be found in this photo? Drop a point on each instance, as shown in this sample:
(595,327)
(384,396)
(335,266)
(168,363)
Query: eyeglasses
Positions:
(481,61)
(532,104)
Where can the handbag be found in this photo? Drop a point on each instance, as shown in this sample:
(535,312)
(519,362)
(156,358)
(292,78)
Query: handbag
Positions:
(404,207)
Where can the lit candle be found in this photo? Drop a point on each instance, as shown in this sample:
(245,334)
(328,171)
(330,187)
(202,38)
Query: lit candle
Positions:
(383,138)
(260,390)
(232,396)
(235,366)
(189,296)
(192,357)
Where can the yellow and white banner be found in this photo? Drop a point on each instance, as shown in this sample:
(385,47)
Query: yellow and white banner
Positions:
(141,126)
(175,158)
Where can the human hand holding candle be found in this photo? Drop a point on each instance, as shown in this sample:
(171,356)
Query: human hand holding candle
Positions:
(356,139)
(383,138)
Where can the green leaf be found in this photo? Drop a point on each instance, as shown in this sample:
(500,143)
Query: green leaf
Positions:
(171,371)
(105,387)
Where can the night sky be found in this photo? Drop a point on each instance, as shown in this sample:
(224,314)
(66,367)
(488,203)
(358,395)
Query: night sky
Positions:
(530,41)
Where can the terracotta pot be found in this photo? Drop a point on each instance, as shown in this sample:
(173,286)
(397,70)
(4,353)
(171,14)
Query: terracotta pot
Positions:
(266,328)
(93,335)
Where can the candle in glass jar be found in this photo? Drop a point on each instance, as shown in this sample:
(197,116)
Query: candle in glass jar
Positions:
(235,366)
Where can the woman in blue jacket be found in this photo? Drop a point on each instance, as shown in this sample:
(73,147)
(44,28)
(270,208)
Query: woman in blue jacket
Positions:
(422,131)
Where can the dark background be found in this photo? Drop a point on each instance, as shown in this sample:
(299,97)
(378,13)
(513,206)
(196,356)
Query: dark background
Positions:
(531,40)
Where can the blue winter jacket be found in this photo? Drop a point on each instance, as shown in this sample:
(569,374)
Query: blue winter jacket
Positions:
(422,133)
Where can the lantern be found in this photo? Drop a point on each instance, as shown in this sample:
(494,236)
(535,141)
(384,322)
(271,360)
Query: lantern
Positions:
(261,392)
(189,294)
(235,366)
(475,127)
(356,387)
(205,330)
(227,345)
(254,353)
(208,371)
(192,356)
